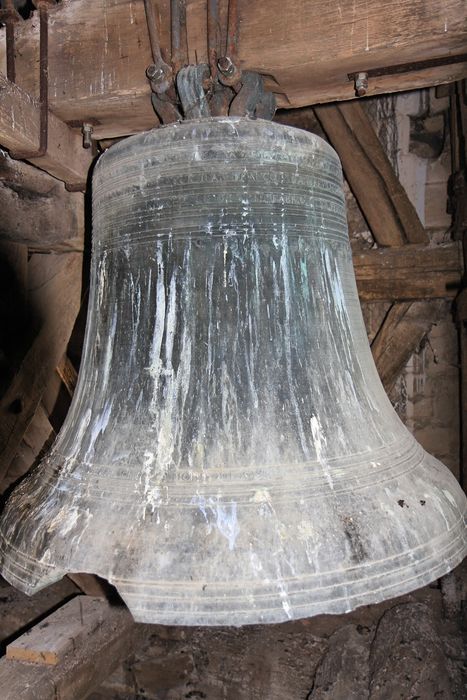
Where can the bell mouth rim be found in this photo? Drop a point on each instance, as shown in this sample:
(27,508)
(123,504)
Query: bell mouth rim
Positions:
(294,607)
(201,603)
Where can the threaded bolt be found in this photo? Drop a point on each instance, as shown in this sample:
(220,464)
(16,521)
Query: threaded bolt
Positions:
(87,130)
(361,84)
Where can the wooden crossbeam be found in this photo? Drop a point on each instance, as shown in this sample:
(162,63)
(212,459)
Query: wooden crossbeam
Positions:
(66,159)
(411,272)
(99,50)
(70,653)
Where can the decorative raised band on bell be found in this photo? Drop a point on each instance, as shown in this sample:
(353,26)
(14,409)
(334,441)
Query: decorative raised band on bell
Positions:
(230,456)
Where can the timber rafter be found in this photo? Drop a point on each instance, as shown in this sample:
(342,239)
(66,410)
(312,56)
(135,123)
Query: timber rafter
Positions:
(99,50)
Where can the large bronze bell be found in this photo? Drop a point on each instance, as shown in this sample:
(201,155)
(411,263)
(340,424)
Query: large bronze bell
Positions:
(230,456)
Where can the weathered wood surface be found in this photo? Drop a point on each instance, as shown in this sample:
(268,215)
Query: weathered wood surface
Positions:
(101,638)
(401,333)
(67,374)
(99,50)
(393,222)
(54,292)
(413,272)
(37,211)
(390,214)
(19,611)
(66,159)
(52,639)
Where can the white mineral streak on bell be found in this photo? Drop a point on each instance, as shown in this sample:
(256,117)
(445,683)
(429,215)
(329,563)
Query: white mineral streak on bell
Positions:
(200,501)
(225,263)
(255,562)
(287,339)
(283,593)
(155,352)
(100,423)
(79,435)
(226,521)
(150,489)
(319,440)
(167,403)
(222,515)
(108,354)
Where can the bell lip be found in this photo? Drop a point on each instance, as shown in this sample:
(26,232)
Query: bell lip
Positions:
(450,550)
(187,123)
(330,606)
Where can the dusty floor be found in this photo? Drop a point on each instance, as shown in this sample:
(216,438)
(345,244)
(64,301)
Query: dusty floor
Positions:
(410,648)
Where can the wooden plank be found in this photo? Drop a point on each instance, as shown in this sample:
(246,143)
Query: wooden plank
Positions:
(107,640)
(66,159)
(67,374)
(382,199)
(51,640)
(37,210)
(99,50)
(411,272)
(19,611)
(401,333)
(55,284)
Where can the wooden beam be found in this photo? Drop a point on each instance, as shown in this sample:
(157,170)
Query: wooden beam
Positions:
(55,285)
(390,214)
(401,333)
(71,652)
(99,49)
(67,374)
(19,611)
(66,159)
(37,210)
(411,272)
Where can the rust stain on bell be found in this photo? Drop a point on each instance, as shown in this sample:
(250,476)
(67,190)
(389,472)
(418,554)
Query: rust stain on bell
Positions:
(230,456)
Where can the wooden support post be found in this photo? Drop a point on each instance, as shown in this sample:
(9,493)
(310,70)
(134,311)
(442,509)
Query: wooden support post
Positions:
(37,211)
(66,159)
(70,653)
(402,331)
(390,214)
(393,222)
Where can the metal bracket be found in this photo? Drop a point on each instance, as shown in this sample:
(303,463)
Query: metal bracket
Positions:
(9,15)
(165,109)
(252,99)
(190,89)
(43,7)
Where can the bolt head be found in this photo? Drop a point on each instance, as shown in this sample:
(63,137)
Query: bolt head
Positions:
(155,73)
(226,65)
